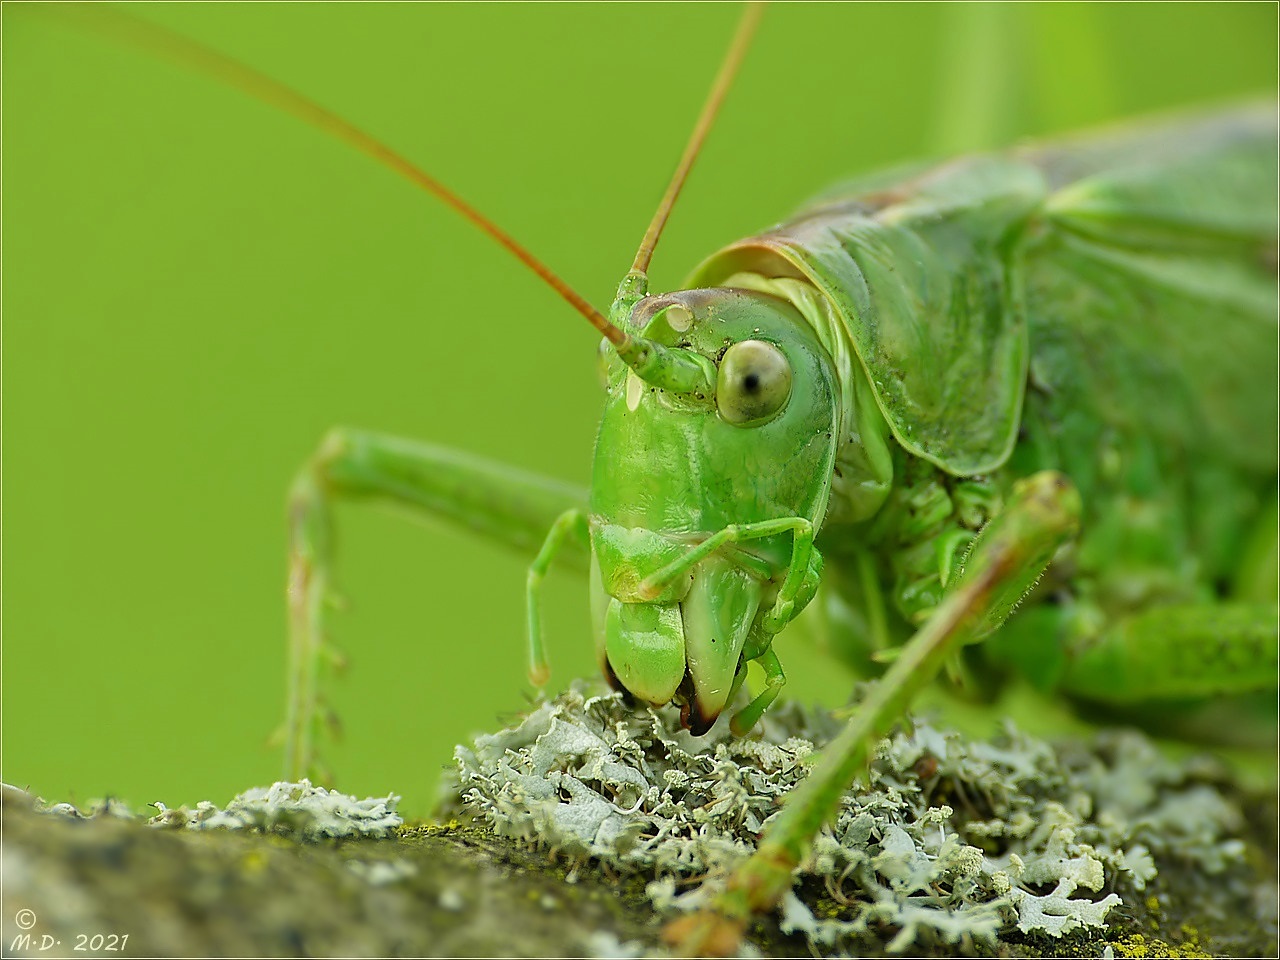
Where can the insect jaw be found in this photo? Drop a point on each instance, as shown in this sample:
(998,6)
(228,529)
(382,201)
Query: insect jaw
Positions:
(689,652)
(676,639)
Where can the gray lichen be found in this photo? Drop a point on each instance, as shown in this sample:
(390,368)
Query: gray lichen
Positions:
(949,840)
(299,810)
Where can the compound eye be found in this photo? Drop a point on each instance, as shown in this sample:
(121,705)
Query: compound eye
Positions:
(754,382)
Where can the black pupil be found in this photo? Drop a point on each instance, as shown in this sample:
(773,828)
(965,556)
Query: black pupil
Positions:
(751,382)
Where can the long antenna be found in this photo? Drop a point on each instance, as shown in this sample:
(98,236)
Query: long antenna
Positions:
(724,80)
(191,54)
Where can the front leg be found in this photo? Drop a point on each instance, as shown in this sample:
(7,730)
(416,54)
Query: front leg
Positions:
(1006,560)
(799,584)
(499,502)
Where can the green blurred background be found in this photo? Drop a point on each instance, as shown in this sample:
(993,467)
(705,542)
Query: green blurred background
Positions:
(196,286)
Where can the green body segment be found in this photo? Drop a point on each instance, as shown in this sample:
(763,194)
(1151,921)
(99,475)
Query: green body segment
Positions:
(1106,308)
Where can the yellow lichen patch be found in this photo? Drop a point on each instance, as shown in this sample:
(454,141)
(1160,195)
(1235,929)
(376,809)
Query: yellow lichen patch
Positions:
(420,828)
(1138,946)
(254,862)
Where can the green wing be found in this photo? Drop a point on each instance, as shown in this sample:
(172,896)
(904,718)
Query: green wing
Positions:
(1142,260)
(1151,285)
(924,279)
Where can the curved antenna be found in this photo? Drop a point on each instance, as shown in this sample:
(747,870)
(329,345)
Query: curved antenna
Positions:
(193,55)
(724,79)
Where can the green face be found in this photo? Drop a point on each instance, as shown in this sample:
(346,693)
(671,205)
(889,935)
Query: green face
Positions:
(671,469)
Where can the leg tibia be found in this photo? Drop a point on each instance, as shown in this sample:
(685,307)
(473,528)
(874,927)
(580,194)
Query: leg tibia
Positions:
(310,538)
(570,528)
(1181,651)
(1013,550)
(1042,513)
(504,504)
(1259,569)
(774,680)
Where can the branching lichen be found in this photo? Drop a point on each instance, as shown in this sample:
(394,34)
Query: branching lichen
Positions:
(298,810)
(948,841)
(949,846)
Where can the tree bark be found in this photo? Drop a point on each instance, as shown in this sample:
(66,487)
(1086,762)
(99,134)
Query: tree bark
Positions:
(455,891)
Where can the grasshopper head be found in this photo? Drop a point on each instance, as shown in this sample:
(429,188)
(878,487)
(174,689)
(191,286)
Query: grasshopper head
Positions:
(754,440)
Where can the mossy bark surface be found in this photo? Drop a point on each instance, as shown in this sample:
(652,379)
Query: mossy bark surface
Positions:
(455,892)
(460,891)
